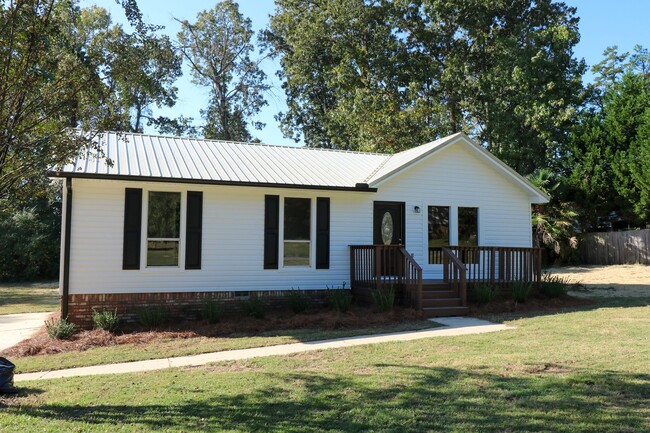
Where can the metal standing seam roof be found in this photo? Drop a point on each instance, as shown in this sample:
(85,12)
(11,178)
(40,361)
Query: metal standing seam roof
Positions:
(176,158)
(156,157)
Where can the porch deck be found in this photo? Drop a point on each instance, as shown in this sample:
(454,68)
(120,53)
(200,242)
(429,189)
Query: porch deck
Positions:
(381,266)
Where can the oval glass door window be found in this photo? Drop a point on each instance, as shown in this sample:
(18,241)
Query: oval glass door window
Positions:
(387,228)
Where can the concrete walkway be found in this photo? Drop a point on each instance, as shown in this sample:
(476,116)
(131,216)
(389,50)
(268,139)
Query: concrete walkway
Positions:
(15,328)
(453,326)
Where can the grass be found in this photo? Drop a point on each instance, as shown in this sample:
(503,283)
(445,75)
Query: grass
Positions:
(581,371)
(28,298)
(171,347)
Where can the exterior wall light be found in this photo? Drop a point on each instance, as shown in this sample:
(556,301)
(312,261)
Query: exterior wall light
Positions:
(416,209)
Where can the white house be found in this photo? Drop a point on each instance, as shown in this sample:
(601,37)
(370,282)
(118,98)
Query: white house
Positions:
(175,221)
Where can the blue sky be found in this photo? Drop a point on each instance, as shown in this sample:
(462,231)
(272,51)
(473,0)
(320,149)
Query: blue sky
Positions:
(602,23)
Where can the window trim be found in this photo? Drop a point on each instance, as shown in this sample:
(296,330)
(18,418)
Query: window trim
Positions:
(145,239)
(478,223)
(312,235)
(453,227)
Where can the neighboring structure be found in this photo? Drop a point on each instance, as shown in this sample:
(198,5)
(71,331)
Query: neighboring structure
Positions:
(175,221)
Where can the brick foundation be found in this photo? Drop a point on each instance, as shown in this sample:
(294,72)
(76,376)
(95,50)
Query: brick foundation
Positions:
(180,306)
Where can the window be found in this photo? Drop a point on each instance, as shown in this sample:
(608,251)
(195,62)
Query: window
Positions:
(297,232)
(468,233)
(163,228)
(467,226)
(438,232)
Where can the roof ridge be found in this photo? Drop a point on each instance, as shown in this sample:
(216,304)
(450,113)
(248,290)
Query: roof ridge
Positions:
(284,146)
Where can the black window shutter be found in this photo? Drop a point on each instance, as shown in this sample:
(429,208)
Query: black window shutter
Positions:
(132,228)
(322,233)
(193,230)
(271,230)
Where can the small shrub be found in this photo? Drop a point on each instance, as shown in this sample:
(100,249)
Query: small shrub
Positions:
(485,293)
(59,329)
(254,307)
(554,286)
(384,299)
(297,301)
(106,320)
(339,299)
(212,311)
(521,291)
(152,317)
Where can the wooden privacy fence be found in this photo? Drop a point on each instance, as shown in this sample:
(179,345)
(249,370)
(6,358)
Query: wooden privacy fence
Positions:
(616,248)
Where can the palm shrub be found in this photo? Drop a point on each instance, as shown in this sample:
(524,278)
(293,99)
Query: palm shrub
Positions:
(212,311)
(254,307)
(152,317)
(521,291)
(59,329)
(383,298)
(297,301)
(339,299)
(485,293)
(106,320)
(554,286)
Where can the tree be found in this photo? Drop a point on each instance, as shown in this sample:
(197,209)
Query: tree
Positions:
(607,164)
(138,69)
(378,75)
(340,70)
(218,47)
(554,223)
(49,86)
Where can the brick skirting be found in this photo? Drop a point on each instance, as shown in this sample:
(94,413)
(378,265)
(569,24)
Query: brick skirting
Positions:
(180,306)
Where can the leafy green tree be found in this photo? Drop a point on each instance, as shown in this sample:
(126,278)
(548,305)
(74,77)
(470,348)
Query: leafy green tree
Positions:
(607,163)
(218,48)
(50,84)
(30,232)
(378,75)
(138,70)
(340,70)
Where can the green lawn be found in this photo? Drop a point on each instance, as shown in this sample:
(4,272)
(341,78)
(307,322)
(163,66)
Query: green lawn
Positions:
(28,297)
(580,371)
(191,346)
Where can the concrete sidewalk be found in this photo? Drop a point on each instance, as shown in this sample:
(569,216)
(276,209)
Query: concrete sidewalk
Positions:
(452,326)
(15,328)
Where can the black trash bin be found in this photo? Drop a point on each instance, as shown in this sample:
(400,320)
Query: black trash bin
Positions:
(7,376)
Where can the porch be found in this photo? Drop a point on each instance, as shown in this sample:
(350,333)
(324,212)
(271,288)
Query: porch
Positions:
(377,266)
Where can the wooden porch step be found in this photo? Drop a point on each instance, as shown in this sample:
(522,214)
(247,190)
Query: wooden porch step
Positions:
(437,294)
(444,311)
(439,286)
(442,302)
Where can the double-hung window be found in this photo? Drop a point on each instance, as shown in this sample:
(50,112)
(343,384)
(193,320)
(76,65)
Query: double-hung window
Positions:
(297,232)
(163,228)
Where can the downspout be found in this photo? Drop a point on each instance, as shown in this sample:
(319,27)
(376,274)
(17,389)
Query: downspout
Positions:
(66,248)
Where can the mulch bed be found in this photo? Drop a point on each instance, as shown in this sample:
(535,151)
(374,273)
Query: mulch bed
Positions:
(357,317)
(501,306)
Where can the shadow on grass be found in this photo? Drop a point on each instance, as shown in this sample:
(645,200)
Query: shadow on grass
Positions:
(597,303)
(385,398)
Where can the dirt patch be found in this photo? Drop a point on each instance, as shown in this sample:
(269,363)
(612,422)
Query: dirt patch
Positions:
(630,281)
(531,305)
(42,344)
(547,368)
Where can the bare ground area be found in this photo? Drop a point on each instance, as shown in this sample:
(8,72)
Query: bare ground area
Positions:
(631,281)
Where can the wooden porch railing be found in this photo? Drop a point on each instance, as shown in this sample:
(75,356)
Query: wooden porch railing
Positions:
(382,266)
(455,274)
(500,265)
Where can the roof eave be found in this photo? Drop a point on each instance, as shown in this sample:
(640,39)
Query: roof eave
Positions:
(359,187)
